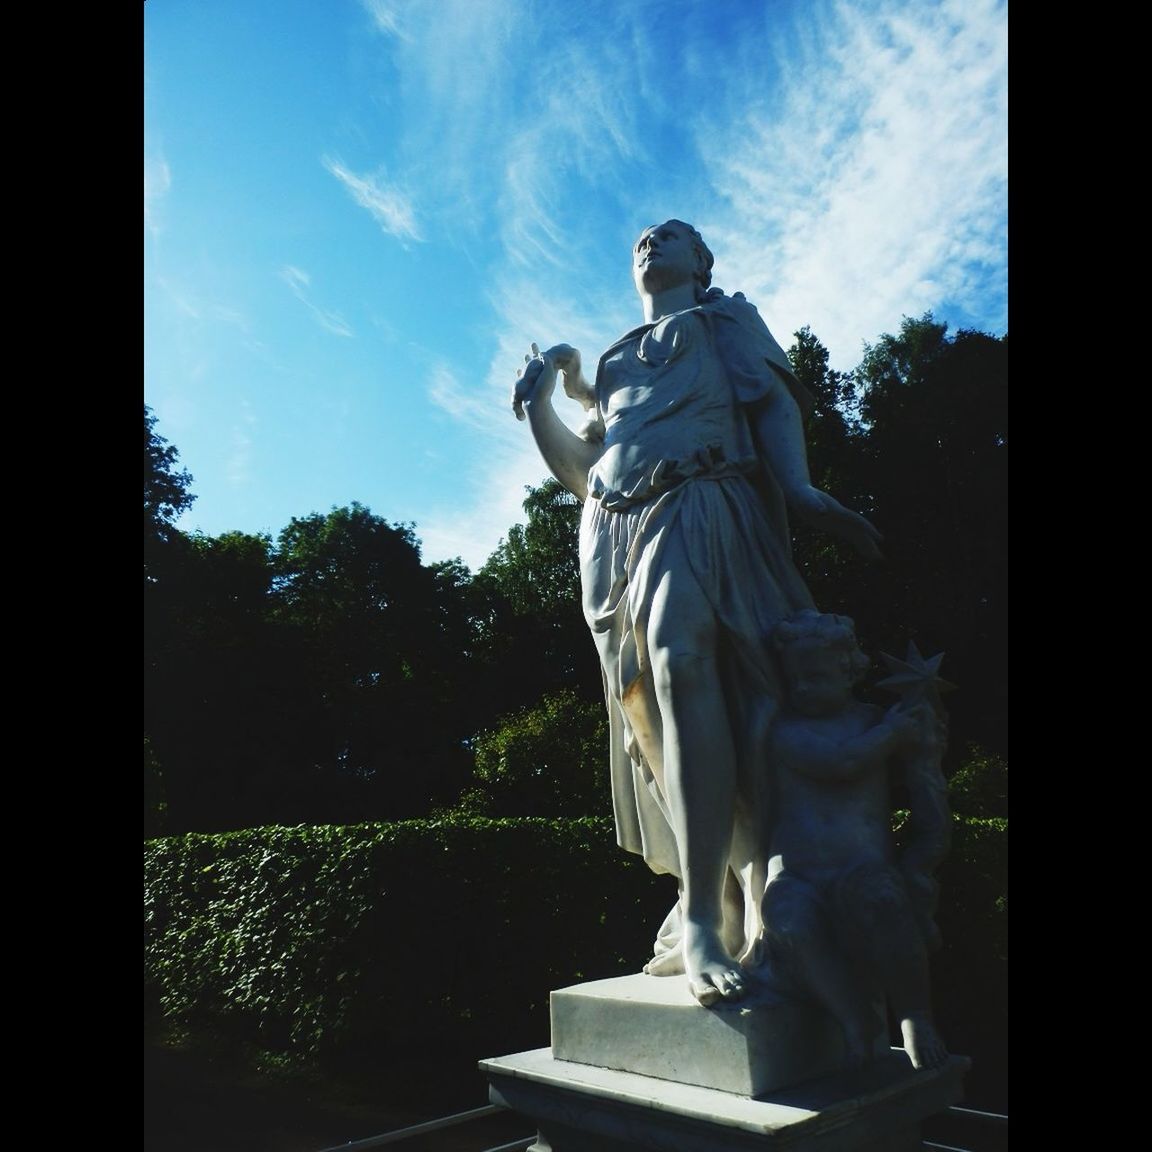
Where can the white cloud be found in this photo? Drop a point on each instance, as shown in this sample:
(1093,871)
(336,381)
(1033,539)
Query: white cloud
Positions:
(506,107)
(876,186)
(181,298)
(157,182)
(473,532)
(389,206)
(385,16)
(297,279)
(238,469)
(493,491)
(446,393)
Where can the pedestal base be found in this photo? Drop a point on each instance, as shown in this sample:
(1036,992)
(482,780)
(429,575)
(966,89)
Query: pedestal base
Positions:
(653,1025)
(580,1108)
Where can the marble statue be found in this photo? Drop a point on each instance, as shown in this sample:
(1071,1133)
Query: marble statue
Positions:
(690,461)
(843,917)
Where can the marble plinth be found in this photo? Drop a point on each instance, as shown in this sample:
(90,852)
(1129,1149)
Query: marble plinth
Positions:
(654,1026)
(581,1108)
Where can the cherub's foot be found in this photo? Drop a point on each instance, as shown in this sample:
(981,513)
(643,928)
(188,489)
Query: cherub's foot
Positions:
(712,974)
(856,1055)
(753,954)
(922,1042)
(670,963)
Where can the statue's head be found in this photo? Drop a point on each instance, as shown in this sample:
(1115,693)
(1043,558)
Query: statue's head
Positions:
(681,253)
(820,658)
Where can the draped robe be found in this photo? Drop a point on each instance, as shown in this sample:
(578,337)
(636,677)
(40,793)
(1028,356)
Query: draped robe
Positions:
(680,486)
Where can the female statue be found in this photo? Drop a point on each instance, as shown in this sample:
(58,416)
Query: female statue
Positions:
(689,464)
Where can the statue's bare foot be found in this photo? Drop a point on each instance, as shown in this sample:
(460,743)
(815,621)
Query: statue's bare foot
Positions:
(922,1042)
(712,974)
(670,963)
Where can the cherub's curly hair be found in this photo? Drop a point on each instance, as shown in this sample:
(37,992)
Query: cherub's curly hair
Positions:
(826,630)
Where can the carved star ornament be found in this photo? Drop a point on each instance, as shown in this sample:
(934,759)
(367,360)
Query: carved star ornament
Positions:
(915,675)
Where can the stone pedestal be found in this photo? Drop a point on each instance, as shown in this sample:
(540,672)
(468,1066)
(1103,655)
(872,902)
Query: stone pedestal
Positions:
(653,1025)
(578,1108)
(637,1064)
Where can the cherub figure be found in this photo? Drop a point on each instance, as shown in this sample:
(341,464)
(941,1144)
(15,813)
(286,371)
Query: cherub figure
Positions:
(839,916)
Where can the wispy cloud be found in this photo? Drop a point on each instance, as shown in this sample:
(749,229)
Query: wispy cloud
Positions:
(389,206)
(503,114)
(446,393)
(298,280)
(385,16)
(876,186)
(493,491)
(157,182)
(238,469)
(183,301)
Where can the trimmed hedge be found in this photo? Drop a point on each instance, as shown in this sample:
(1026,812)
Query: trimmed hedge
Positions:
(384,936)
(408,939)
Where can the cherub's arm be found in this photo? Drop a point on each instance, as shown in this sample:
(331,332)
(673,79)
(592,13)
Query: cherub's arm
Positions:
(823,758)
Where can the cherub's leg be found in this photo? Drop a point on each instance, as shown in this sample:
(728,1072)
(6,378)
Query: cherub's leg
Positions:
(899,955)
(798,933)
(749,855)
(699,774)
(749,865)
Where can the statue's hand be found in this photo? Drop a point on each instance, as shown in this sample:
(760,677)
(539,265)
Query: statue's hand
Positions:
(535,381)
(822,511)
(567,360)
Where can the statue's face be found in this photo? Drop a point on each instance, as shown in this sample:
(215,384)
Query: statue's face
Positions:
(664,257)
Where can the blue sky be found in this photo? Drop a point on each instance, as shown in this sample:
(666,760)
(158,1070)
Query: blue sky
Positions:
(359,213)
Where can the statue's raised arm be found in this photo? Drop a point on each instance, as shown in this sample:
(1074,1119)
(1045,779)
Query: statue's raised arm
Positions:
(567,455)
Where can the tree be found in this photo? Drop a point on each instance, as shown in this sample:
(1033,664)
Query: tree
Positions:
(935,464)
(166,493)
(215,704)
(834,441)
(548,759)
(320,679)
(373,627)
(916,438)
(529,615)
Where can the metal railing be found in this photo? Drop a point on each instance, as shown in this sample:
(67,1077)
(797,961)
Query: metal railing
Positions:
(987,1122)
(433,1126)
(987,1118)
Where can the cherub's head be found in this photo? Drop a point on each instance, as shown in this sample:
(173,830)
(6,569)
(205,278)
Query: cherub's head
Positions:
(821,661)
(670,253)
